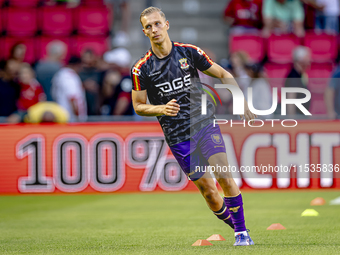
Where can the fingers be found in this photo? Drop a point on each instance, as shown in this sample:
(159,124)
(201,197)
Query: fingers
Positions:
(248,115)
(172,108)
(173,103)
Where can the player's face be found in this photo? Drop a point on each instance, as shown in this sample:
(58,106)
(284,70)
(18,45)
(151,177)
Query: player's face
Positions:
(155,27)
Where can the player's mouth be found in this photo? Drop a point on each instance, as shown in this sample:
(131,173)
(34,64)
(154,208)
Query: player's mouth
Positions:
(156,36)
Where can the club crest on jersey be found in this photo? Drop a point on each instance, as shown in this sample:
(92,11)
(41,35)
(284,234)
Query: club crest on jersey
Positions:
(184,64)
(136,71)
(216,138)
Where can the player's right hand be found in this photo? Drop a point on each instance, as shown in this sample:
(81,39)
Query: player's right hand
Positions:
(248,115)
(171,108)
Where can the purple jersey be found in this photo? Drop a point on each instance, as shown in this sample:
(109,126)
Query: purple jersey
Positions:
(175,77)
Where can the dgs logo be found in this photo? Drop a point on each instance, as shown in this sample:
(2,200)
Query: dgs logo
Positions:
(175,84)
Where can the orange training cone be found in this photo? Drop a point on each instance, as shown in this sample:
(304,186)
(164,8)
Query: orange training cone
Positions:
(201,242)
(318,201)
(216,237)
(276,226)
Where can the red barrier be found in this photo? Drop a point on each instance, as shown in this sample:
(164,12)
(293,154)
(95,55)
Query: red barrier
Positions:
(133,156)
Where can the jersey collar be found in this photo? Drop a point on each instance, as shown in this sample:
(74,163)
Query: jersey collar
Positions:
(166,57)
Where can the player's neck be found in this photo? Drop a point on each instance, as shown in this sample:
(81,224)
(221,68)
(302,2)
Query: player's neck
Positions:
(162,49)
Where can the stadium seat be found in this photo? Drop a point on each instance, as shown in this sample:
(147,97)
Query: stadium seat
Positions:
(98,44)
(56,20)
(24,3)
(0,21)
(274,70)
(318,76)
(43,41)
(20,21)
(323,46)
(9,42)
(317,104)
(320,70)
(92,20)
(92,2)
(280,48)
(1,46)
(252,44)
(277,74)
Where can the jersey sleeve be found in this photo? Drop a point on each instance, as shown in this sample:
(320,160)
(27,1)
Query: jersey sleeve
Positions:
(201,59)
(139,78)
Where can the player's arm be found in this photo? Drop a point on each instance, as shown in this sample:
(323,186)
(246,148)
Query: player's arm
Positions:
(142,108)
(217,71)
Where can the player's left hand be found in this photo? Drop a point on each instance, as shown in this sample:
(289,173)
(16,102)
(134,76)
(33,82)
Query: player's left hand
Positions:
(171,108)
(248,115)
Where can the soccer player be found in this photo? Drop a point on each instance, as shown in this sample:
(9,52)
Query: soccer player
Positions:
(166,74)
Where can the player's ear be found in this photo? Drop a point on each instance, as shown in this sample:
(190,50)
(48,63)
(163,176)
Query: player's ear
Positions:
(167,24)
(144,32)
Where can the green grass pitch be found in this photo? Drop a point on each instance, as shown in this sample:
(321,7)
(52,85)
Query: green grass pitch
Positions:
(163,223)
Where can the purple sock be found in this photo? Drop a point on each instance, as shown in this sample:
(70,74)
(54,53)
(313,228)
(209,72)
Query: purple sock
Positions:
(235,208)
(223,214)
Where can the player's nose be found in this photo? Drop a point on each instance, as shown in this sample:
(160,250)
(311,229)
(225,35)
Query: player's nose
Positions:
(154,29)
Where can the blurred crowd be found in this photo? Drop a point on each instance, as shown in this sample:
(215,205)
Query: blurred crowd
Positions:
(253,75)
(283,16)
(63,89)
(280,17)
(54,91)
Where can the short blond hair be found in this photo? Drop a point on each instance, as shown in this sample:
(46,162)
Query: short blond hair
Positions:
(150,10)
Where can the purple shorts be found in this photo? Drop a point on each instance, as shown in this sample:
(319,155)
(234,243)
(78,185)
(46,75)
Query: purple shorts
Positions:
(195,152)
